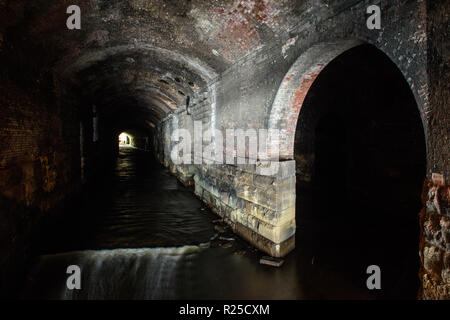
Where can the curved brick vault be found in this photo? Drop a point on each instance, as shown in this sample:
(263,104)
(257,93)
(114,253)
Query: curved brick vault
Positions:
(295,86)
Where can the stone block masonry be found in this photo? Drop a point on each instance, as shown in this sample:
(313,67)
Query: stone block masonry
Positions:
(259,208)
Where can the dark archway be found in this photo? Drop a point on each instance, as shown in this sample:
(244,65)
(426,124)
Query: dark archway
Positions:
(361,161)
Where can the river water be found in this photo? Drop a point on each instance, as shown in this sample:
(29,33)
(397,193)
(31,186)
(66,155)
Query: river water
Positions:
(143,235)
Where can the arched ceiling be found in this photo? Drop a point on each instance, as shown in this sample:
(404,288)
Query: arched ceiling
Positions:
(143,54)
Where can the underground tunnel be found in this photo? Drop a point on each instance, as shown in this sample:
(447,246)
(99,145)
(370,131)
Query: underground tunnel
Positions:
(115,160)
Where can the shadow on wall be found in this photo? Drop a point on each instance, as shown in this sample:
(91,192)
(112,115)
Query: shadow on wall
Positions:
(361,161)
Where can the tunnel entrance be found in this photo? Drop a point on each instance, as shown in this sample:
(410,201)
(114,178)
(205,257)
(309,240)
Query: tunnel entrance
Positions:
(360,165)
(125,140)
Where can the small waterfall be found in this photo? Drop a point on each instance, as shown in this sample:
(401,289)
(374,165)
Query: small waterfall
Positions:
(147,273)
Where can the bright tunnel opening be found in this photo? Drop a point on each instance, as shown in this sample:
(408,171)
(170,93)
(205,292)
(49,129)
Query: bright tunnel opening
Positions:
(126,140)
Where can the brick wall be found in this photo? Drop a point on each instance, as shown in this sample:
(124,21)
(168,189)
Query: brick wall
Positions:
(39,170)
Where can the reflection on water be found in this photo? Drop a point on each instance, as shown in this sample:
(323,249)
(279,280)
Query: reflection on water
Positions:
(144,206)
(148,237)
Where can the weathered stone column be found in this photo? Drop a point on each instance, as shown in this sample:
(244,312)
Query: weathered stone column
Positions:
(260,208)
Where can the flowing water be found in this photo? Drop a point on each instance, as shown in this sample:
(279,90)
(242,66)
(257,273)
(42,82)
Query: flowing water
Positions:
(143,235)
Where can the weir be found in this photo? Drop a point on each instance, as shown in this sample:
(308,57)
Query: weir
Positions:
(112,274)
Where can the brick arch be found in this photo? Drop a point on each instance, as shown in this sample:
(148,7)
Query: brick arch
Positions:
(294,88)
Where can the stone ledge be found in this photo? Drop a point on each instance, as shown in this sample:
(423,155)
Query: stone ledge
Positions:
(273,233)
(285,169)
(273,249)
